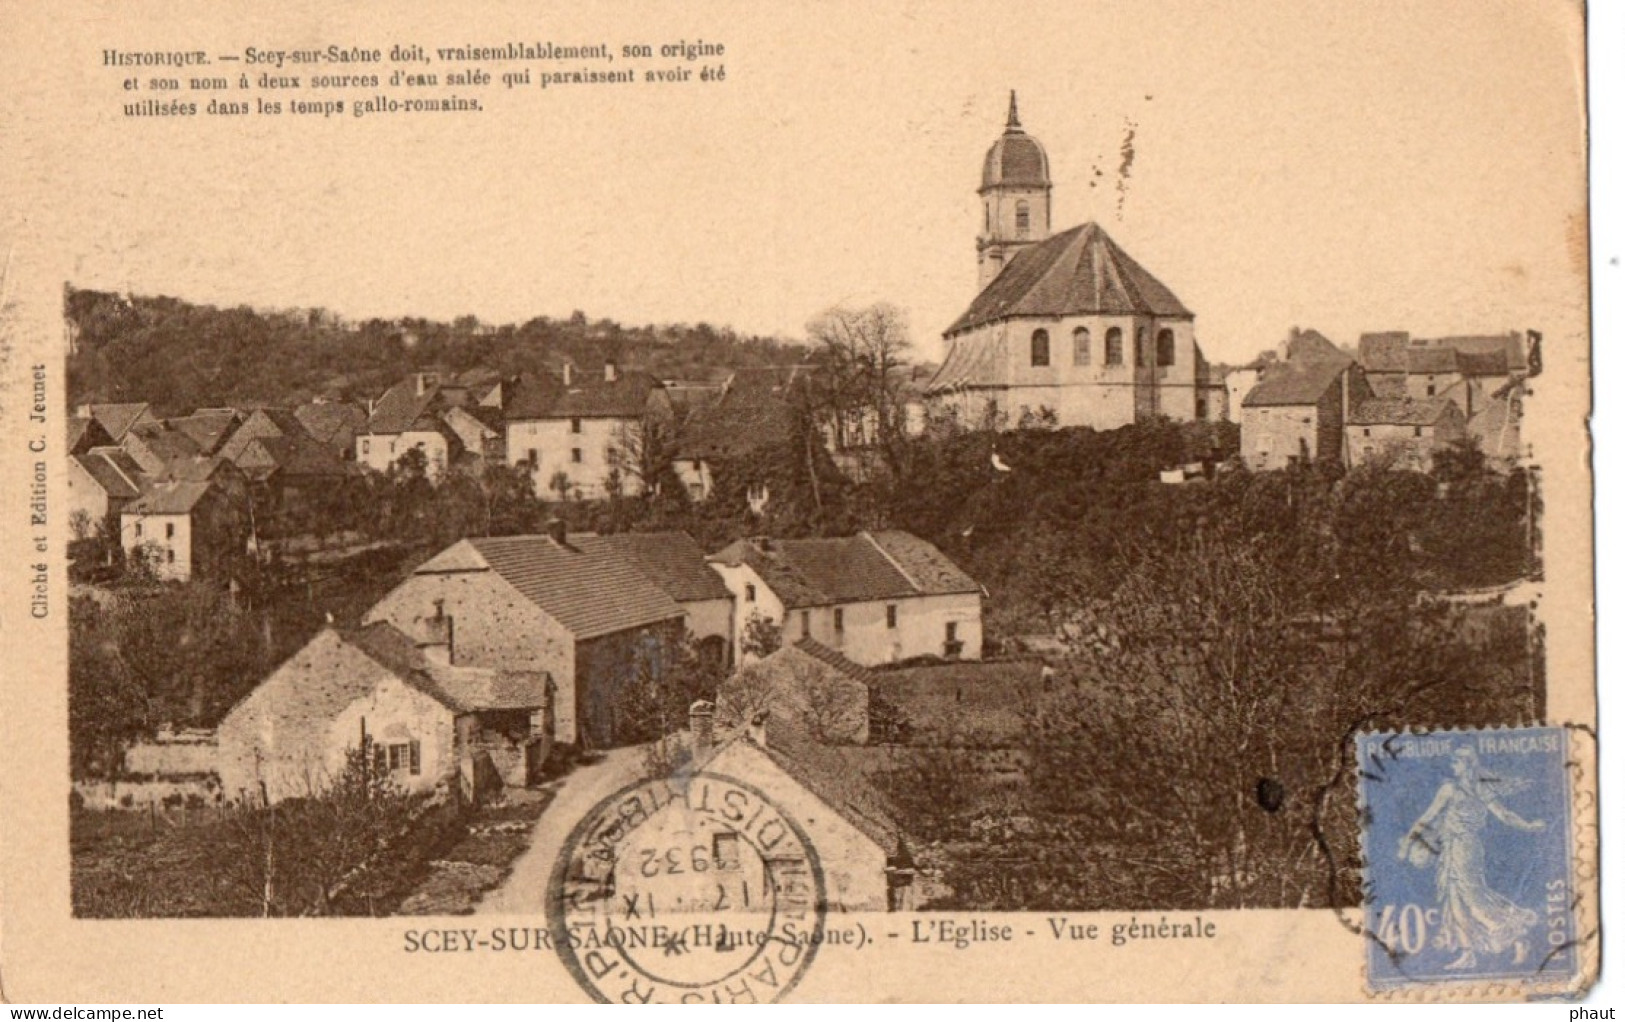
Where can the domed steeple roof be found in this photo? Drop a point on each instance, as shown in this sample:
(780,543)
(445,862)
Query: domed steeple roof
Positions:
(1016,159)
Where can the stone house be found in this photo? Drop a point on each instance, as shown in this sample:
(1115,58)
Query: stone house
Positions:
(188,529)
(677,565)
(1296,413)
(876,597)
(755,411)
(1483,375)
(567,605)
(1404,432)
(589,433)
(864,853)
(102,482)
(425,723)
(408,417)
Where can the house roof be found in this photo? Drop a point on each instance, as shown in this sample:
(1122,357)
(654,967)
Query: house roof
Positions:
(531,396)
(297,454)
(1470,355)
(626,397)
(1081,271)
(868,566)
(745,418)
(1430,360)
(583,584)
(168,444)
(1300,383)
(1312,346)
(825,773)
(1399,411)
(169,497)
(195,469)
(83,431)
(118,418)
(672,561)
(462,689)
(1384,351)
(834,659)
(207,428)
(108,475)
(331,422)
(402,409)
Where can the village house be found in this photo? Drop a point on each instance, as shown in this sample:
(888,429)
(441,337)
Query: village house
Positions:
(101,484)
(1297,411)
(876,597)
(754,411)
(481,433)
(184,530)
(568,605)
(1404,432)
(864,853)
(677,565)
(1482,375)
(408,417)
(583,437)
(333,424)
(261,423)
(424,723)
(1068,322)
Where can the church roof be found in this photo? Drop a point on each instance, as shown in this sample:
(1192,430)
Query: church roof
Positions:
(1075,273)
(1016,159)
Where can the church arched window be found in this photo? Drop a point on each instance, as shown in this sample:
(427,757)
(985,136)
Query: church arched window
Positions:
(1080,346)
(1114,347)
(1040,347)
(1165,347)
(1023,219)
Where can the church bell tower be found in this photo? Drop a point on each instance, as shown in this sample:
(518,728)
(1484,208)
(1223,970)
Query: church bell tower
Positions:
(1015,198)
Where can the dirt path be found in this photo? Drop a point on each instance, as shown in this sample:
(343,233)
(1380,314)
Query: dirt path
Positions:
(525,890)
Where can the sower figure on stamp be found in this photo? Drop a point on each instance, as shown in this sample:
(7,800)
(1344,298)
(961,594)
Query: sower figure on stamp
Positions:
(1475,917)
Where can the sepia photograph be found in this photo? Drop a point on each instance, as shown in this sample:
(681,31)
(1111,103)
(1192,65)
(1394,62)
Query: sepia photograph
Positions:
(717,512)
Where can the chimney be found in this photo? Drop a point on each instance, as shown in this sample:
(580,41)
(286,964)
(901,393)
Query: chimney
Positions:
(569,373)
(556,530)
(701,725)
(612,372)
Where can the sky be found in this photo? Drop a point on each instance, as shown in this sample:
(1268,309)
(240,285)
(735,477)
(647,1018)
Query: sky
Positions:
(1349,167)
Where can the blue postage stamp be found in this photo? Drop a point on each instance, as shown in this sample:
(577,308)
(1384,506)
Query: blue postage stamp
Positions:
(1467,843)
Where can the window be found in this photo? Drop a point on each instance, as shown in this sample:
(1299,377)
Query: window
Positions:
(1431,388)
(1040,347)
(750,593)
(1366,431)
(399,756)
(725,850)
(987,218)
(532,457)
(575,455)
(1114,347)
(137,530)
(1023,219)
(1080,346)
(1201,408)
(951,646)
(806,623)
(1165,347)
(575,425)
(169,530)
(1416,431)
(891,615)
(840,620)
(951,631)
(169,555)
(366,448)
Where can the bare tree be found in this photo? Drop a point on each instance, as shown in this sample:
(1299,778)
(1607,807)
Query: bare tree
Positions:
(861,352)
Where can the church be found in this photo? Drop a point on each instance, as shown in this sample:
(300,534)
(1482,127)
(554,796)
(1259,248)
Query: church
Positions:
(1067,322)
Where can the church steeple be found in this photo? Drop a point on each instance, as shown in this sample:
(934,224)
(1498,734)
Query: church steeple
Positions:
(1015,197)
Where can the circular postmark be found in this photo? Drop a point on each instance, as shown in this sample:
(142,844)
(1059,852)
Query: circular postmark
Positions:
(692,888)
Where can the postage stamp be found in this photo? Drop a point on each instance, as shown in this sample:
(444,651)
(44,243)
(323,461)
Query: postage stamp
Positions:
(690,889)
(1468,853)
